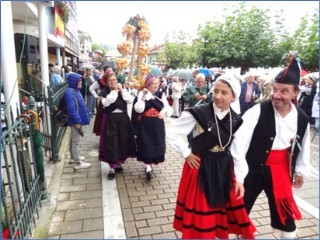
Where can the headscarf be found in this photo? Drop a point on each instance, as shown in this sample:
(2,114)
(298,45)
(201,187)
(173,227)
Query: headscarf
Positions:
(149,80)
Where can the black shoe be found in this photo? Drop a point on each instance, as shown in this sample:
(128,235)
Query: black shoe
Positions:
(149,175)
(119,169)
(111,175)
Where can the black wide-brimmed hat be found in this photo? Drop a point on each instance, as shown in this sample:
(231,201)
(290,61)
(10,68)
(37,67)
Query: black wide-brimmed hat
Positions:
(289,75)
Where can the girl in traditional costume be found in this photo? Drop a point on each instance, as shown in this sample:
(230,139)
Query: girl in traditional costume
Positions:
(210,201)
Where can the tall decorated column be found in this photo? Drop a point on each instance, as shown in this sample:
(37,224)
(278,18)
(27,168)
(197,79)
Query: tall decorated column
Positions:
(136,32)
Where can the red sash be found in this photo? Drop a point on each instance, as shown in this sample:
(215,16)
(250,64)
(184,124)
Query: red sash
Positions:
(282,187)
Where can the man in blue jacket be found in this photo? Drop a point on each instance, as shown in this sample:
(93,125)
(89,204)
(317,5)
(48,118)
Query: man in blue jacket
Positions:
(78,116)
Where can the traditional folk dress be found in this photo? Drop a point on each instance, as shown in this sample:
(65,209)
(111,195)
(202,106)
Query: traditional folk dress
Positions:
(117,139)
(206,204)
(151,145)
(275,148)
(98,118)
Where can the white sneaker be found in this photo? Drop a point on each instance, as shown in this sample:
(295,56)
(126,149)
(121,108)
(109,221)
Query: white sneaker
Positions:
(82,165)
(81,158)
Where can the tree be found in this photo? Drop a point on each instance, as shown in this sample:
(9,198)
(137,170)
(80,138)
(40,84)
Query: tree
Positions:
(245,39)
(177,51)
(306,42)
(100,47)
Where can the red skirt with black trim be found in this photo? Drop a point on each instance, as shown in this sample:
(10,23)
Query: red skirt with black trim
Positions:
(196,219)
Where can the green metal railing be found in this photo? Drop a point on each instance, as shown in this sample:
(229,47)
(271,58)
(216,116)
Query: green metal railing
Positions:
(23,185)
(50,130)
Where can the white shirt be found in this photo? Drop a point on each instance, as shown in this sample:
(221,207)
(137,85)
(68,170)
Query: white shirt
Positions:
(140,104)
(178,130)
(112,97)
(95,85)
(286,128)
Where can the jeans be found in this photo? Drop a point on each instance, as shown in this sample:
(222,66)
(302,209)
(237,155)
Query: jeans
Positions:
(74,144)
(91,104)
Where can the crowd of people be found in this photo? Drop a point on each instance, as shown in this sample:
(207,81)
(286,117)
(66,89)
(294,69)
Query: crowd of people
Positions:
(237,139)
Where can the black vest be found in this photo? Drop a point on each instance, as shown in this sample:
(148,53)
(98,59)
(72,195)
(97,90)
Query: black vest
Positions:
(204,114)
(263,137)
(119,103)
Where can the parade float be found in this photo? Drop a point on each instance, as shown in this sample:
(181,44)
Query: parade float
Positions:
(136,33)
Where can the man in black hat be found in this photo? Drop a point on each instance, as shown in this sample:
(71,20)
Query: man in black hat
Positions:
(274,140)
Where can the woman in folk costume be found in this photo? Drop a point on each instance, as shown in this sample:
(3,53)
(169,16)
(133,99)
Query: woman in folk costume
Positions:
(210,200)
(117,140)
(152,105)
(274,140)
(100,84)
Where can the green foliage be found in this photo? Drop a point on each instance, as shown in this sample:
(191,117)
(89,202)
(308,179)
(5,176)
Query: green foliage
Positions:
(64,10)
(100,47)
(177,53)
(306,41)
(246,38)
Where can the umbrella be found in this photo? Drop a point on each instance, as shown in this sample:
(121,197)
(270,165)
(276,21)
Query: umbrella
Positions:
(111,64)
(155,70)
(86,66)
(205,71)
(38,152)
(185,74)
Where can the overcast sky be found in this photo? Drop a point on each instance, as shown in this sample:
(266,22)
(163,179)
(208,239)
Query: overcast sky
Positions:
(104,20)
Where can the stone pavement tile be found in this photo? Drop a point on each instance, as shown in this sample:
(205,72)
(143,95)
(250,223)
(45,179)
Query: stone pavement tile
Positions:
(165,213)
(144,216)
(127,215)
(153,208)
(266,236)
(305,232)
(58,216)
(63,196)
(159,201)
(148,197)
(131,230)
(65,227)
(66,182)
(93,203)
(94,174)
(137,210)
(167,235)
(85,195)
(125,203)
(158,221)
(81,214)
(149,230)
(84,235)
(264,229)
(167,227)
(141,224)
(73,188)
(68,205)
(94,186)
(93,224)
(140,203)
(87,180)
(75,175)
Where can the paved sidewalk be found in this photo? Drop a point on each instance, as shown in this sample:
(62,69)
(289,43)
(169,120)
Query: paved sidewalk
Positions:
(79,210)
(90,206)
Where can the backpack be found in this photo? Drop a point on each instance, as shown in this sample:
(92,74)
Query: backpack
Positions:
(61,114)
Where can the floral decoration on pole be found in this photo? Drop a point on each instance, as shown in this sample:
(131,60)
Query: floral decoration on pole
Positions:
(136,31)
